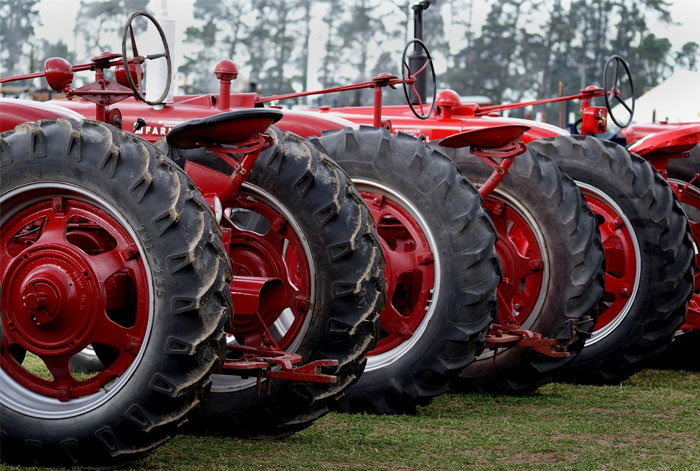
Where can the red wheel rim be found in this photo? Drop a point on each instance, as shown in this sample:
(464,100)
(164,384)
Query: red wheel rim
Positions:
(519,252)
(267,245)
(409,271)
(72,276)
(621,261)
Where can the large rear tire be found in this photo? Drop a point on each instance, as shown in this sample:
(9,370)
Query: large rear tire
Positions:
(684,352)
(105,242)
(441,272)
(336,272)
(649,256)
(552,261)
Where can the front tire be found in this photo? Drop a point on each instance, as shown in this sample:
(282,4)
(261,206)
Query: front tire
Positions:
(105,242)
(649,256)
(297,200)
(552,261)
(441,271)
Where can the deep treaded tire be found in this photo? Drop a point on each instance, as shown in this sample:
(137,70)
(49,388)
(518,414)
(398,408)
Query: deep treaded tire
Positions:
(649,256)
(68,166)
(293,177)
(684,352)
(415,190)
(552,262)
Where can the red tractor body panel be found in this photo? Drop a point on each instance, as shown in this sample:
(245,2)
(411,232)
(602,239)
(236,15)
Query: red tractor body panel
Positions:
(448,122)
(637,131)
(15,111)
(669,142)
(159,121)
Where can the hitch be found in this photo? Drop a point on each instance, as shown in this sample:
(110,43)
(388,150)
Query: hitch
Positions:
(508,335)
(260,361)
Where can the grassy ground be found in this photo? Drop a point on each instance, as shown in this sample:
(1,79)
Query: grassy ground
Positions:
(651,422)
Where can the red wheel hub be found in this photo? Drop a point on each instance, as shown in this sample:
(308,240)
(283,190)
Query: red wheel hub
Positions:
(269,248)
(71,277)
(521,259)
(409,271)
(620,259)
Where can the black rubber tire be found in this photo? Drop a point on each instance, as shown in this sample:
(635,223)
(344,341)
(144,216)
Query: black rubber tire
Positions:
(684,352)
(665,280)
(349,287)
(181,244)
(464,304)
(554,209)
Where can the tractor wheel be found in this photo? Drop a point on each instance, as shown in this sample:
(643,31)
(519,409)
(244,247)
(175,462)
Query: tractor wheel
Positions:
(648,251)
(552,261)
(684,352)
(299,219)
(441,267)
(106,242)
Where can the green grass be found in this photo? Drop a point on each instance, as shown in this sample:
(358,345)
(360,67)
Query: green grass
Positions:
(651,422)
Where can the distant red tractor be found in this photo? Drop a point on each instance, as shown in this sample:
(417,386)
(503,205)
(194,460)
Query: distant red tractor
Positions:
(646,235)
(110,247)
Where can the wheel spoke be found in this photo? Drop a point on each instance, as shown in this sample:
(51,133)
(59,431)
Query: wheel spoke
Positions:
(622,102)
(420,101)
(422,69)
(108,332)
(401,262)
(55,228)
(134,49)
(106,264)
(615,76)
(617,286)
(59,368)
(393,322)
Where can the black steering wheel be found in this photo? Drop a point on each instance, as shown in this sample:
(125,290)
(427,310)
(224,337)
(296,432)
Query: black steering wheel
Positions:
(614,91)
(407,75)
(138,60)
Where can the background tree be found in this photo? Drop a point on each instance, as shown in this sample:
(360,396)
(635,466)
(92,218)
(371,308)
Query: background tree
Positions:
(687,57)
(100,22)
(18,18)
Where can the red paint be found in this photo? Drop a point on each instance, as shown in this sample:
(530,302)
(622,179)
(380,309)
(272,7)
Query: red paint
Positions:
(71,277)
(409,271)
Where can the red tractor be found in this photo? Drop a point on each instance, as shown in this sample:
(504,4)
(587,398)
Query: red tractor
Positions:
(441,270)
(646,235)
(108,246)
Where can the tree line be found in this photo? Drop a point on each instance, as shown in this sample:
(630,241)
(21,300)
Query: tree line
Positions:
(523,49)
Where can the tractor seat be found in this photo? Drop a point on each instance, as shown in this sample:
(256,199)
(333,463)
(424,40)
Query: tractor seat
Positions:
(486,137)
(227,128)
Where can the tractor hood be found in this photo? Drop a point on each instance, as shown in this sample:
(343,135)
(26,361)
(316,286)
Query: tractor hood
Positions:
(16,111)
(160,120)
(438,126)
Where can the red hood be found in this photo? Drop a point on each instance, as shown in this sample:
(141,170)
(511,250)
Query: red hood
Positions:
(434,128)
(15,111)
(159,121)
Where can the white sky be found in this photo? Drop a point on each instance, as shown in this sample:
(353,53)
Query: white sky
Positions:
(58,20)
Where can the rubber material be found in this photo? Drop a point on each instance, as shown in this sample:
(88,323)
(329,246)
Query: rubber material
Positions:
(465,302)
(191,298)
(684,352)
(666,266)
(572,260)
(348,295)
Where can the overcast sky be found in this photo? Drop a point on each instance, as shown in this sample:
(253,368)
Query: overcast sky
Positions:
(58,20)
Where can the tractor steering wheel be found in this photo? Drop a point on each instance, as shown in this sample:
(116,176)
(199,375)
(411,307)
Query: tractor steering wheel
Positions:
(613,89)
(407,75)
(138,60)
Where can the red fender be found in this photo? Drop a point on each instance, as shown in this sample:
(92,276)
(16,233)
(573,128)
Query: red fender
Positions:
(15,111)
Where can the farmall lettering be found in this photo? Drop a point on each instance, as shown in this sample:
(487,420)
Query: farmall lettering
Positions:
(160,128)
